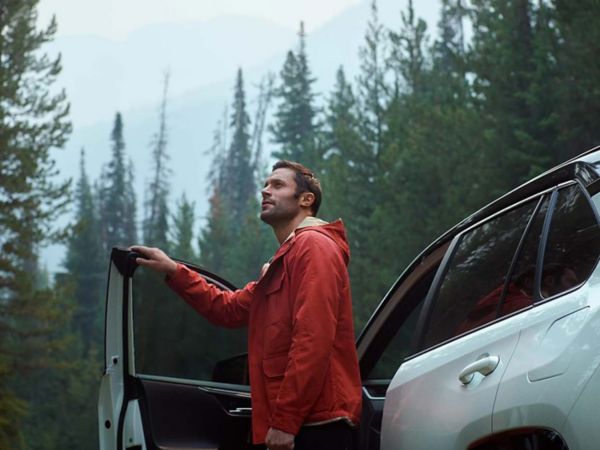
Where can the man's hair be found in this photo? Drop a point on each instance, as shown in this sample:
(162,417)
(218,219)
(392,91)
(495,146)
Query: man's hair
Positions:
(305,181)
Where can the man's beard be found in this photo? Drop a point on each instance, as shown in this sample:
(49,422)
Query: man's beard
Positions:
(276,215)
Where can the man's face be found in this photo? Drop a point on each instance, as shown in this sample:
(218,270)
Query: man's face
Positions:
(279,201)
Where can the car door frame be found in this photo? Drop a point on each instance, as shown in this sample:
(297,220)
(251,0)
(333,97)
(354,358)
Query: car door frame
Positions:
(122,413)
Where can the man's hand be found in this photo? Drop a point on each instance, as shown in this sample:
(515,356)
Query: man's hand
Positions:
(155,259)
(279,440)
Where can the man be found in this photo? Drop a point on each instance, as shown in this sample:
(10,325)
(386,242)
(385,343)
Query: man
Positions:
(304,375)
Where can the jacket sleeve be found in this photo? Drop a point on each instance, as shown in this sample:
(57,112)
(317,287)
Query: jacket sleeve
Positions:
(317,277)
(224,308)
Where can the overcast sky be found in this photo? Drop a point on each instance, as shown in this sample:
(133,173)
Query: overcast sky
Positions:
(116,18)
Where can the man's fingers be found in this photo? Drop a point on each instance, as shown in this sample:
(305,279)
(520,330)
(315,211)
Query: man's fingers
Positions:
(143,262)
(141,249)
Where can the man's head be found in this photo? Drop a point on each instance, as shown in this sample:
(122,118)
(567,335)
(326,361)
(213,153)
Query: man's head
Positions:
(557,278)
(291,190)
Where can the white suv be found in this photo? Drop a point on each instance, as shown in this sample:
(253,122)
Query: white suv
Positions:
(489,340)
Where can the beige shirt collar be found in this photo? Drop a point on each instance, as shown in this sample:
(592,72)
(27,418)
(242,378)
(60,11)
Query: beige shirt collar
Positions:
(309,221)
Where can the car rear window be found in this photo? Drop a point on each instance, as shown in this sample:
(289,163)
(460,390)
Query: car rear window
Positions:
(573,243)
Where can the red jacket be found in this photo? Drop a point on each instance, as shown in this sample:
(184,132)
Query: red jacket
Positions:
(486,309)
(301,348)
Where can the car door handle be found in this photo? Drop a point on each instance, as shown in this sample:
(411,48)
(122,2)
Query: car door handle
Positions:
(484,366)
(241,411)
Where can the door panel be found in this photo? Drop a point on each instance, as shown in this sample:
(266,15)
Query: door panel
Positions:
(428,407)
(181,416)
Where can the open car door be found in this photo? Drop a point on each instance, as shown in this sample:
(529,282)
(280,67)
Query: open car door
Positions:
(171,380)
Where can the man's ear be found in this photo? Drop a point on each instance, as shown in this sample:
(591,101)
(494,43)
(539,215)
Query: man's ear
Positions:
(307,199)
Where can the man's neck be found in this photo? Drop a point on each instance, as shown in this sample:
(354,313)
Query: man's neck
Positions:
(284,230)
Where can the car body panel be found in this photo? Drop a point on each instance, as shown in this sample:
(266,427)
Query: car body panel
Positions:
(558,353)
(428,407)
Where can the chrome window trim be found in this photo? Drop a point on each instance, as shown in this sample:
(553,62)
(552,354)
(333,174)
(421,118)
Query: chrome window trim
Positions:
(516,205)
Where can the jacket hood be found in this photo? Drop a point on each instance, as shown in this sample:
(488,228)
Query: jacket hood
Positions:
(334,230)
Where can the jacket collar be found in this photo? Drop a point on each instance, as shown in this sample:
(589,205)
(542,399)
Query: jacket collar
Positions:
(308,221)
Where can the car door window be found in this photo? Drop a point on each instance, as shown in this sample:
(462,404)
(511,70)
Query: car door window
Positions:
(472,287)
(395,340)
(172,340)
(573,243)
(519,292)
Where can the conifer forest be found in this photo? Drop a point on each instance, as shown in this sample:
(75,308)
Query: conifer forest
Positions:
(441,119)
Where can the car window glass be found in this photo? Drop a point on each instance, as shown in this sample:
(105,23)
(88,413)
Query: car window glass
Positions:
(172,340)
(519,294)
(473,284)
(395,340)
(573,243)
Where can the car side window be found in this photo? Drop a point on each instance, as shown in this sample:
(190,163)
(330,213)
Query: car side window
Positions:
(172,340)
(394,342)
(573,243)
(473,284)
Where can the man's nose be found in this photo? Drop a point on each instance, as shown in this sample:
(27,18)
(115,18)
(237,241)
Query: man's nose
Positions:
(265,192)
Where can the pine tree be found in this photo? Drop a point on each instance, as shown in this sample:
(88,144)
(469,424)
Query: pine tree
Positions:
(344,150)
(408,50)
(157,211)
(233,241)
(577,87)
(426,188)
(117,207)
(372,89)
(544,91)
(237,174)
(183,230)
(448,83)
(215,232)
(151,298)
(295,124)
(265,95)
(85,263)
(361,163)
(130,220)
(33,122)
(502,62)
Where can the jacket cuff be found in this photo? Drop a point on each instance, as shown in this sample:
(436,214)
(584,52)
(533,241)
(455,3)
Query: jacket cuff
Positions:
(286,422)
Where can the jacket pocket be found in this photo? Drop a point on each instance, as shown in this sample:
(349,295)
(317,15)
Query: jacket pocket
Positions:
(274,371)
(278,339)
(275,283)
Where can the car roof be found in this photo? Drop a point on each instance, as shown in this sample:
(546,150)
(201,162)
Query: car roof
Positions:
(585,168)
